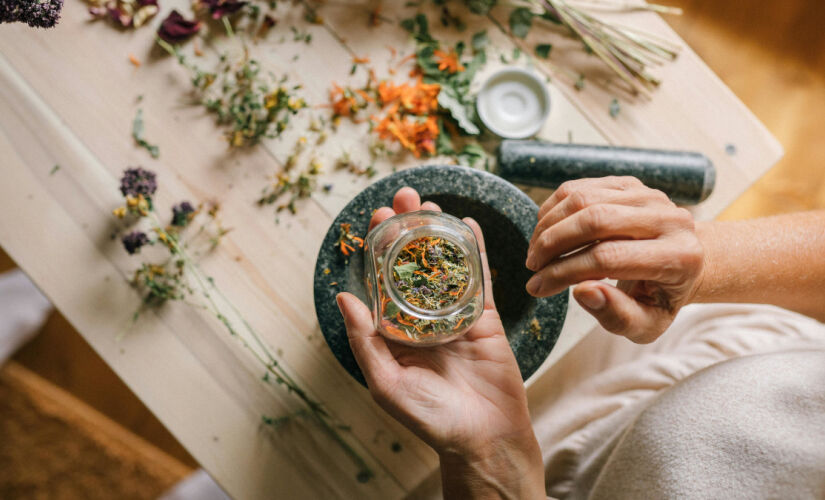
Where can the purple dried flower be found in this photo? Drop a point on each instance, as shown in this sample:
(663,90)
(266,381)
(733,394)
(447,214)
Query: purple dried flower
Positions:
(181,214)
(36,13)
(134,240)
(138,181)
(175,28)
(221,8)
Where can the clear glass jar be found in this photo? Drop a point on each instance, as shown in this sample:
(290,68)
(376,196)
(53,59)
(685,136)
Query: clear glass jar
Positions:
(424,278)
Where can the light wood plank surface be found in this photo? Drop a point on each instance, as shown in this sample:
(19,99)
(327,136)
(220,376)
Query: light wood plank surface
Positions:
(67,97)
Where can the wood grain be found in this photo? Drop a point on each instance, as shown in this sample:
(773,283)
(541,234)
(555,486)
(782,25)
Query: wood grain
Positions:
(198,381)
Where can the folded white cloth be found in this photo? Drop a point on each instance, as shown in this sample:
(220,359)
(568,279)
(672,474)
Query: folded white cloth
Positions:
(579,430)
(749,428)
(23,310)
(197,486)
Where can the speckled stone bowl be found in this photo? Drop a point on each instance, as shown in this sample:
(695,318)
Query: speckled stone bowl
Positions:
(507,218)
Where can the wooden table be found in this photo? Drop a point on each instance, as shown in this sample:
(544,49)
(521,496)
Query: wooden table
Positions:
(68,96)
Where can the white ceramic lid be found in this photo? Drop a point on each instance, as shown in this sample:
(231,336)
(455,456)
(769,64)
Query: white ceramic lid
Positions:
(513,103)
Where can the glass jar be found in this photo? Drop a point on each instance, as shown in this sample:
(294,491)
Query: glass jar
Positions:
(424,278)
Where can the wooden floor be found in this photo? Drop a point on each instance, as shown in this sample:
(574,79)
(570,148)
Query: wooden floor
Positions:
(772,58)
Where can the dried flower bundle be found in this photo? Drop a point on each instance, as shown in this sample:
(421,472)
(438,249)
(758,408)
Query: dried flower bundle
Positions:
(245,103)
(35,13)
(179,277)
(628,52)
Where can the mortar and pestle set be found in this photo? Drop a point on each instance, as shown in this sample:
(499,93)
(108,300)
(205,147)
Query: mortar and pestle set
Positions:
(512,103)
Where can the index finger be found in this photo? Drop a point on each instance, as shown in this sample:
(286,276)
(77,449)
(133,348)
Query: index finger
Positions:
(566,188)
(368,346)
(489,302)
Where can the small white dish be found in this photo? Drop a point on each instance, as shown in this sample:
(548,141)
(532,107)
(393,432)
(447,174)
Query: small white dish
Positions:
(513,103)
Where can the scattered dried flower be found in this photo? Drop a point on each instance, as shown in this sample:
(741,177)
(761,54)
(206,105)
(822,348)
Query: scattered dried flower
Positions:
(126,13)
(138,182)
(348,242)
(133,241)
(175,28)
(219,8)
(182,214)
(245,102)
(181,278)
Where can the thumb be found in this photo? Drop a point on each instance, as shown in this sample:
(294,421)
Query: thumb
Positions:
(368,346)
(621,314)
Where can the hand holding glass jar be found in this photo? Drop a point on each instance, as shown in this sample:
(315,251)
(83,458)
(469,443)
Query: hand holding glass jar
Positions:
(465,398)
(424,277)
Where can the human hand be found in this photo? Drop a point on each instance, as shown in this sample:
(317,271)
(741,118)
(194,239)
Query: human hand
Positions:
(617,228)
(465,398)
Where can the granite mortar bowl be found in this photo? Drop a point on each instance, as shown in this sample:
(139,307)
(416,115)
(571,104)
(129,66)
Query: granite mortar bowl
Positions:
(507,218)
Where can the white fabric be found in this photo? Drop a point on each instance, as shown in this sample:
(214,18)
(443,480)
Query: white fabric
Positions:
(749,428)
(23,310)
(197,486)
(578,428)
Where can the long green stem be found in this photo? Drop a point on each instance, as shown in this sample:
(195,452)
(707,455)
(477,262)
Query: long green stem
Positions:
(269,362)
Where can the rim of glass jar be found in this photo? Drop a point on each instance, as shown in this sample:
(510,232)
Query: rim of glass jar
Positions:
(473,261)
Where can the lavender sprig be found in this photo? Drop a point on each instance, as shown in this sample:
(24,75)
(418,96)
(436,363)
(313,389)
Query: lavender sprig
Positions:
(182,277)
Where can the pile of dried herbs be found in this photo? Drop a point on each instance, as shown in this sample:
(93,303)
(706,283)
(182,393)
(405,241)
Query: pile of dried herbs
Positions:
(428,114)
(429,273)
(179,277)
(247,104)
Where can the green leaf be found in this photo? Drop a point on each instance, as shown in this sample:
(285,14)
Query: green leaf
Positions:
(471,155)
(543,50)
(443,144)
(550,16)
(137,134)
(521,19)
(614,108)
(408,24)
(480,6)
(449,99)
(480,41)
(405,271)
(391,309)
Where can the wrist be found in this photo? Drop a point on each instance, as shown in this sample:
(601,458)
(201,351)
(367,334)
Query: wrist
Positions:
(508,467)
(699,290)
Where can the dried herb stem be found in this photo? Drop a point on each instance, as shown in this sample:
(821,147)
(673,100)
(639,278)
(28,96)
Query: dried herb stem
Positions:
(268,360)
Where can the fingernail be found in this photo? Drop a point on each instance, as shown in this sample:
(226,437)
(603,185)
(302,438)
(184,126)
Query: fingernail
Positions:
(593,299)
(534,284)
(531,260)
(339,299)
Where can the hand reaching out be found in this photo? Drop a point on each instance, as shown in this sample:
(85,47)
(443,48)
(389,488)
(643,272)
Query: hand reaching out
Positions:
(465,398)
(615,227)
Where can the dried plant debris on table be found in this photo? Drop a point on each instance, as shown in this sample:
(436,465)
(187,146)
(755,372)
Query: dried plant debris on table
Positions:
(178,277)
(124,13)
(428,113)
(245,102)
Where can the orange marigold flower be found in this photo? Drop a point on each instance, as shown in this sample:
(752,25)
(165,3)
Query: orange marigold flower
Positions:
(346,102)
(448,61)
